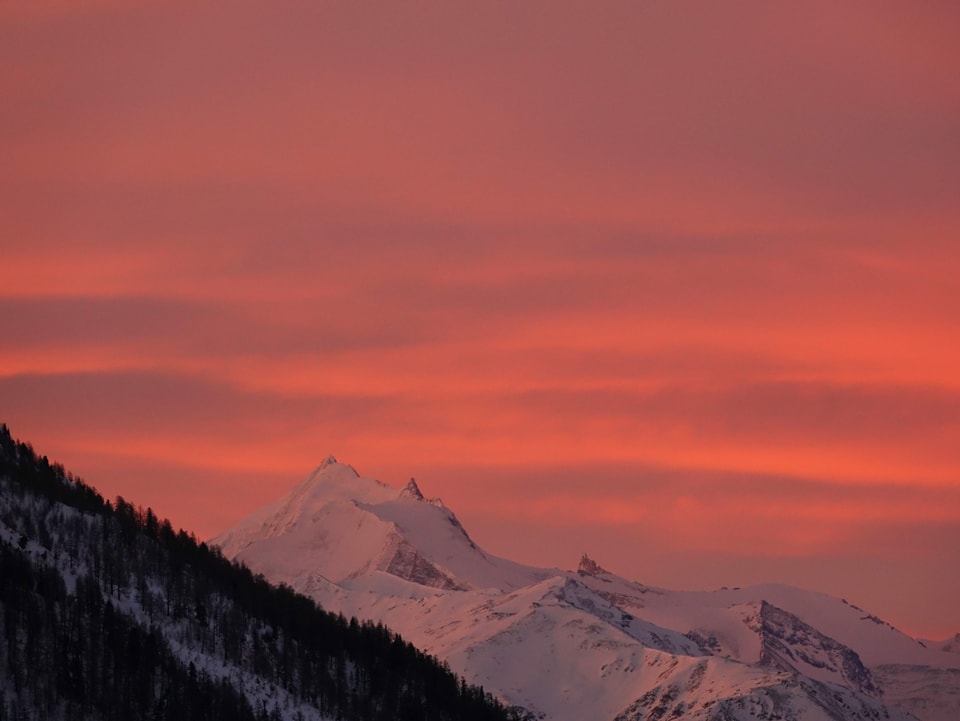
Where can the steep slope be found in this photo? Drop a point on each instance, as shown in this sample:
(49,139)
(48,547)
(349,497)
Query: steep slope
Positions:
(341,526)
(566,645)
(107,613)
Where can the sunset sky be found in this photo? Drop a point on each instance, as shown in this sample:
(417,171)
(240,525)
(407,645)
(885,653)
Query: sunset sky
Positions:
(675,284)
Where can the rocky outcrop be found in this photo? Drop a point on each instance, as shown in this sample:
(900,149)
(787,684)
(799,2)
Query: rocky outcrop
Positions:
(787,643)
(407,563)
(412,491)
(589,567)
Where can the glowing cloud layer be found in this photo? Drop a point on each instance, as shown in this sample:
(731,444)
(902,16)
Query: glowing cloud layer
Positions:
(674,285)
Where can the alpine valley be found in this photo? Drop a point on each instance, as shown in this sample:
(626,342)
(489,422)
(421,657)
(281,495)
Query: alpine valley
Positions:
(587,645)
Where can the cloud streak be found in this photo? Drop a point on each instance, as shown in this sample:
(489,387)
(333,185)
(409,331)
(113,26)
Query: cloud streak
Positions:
(708,254)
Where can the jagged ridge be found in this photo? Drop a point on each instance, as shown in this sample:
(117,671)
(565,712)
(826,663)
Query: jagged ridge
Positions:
(570,645)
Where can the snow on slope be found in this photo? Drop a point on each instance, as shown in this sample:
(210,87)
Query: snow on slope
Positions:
(340,526)
(820,636)
(585,644)
(720,612)
(950,645)
(926,692)
(562,652)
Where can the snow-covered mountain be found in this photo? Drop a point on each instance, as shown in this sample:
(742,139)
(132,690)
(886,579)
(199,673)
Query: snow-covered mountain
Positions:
(587,644)
(339,527)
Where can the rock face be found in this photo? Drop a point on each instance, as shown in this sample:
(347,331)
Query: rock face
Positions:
(407,563)
(412,490)
(589,567)
(789,644)
(586,644)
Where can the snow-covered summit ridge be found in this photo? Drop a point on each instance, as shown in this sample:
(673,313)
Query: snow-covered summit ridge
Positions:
(340,525)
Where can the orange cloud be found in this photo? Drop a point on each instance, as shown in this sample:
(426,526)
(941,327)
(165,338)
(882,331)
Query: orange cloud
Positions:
(719,244)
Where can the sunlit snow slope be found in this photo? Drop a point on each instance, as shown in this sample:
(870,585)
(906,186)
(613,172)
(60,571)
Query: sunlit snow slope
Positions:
(587,644)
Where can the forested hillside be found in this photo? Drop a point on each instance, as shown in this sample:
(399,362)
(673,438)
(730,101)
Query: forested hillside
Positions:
(106,612)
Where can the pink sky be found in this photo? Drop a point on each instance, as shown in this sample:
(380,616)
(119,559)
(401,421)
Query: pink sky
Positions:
(671,283)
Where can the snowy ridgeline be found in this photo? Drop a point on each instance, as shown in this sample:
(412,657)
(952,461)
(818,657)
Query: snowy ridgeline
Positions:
(107,613)
(572,645)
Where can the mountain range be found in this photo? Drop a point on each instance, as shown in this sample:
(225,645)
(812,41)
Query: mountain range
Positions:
(586,644)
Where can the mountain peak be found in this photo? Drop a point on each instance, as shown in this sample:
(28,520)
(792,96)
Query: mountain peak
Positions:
(590,567)
(330,467)
(412,490)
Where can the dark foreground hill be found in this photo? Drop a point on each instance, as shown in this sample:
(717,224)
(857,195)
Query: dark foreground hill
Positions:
(106,612)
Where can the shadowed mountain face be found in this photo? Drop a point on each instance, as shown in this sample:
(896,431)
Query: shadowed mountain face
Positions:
(582,644)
